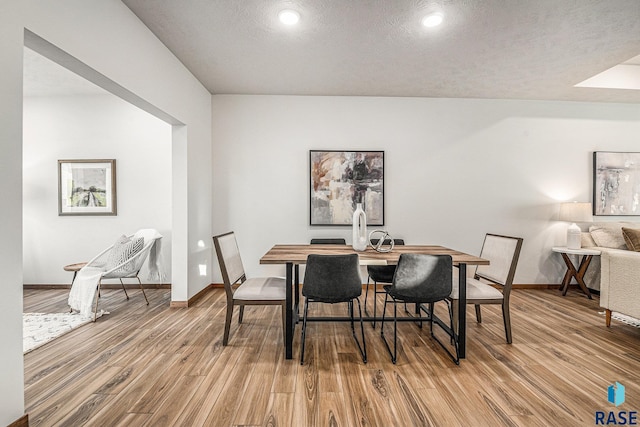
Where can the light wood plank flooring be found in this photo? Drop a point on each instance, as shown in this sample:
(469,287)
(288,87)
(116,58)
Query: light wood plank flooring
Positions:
(152,365)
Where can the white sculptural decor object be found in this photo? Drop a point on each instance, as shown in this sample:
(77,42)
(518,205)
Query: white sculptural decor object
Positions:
(359,229)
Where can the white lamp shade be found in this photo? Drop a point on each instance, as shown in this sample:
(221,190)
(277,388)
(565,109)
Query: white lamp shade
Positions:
(575,212)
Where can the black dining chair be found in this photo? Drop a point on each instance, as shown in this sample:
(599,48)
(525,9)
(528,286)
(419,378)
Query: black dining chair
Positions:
(328,241)
(379,274)
(420,279)
(333,279)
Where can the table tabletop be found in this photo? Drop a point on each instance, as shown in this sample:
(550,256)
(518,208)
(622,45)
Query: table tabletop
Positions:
(580,251)
(297,254)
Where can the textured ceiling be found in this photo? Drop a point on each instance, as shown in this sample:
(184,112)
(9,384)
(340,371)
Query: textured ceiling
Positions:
(507,49)
(513,49)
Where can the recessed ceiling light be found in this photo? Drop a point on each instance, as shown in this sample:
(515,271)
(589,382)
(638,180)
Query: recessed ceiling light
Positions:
(433,19)
(289,17)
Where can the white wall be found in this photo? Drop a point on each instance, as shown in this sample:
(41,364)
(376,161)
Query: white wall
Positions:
(91,127)
(455,169)
(112,43)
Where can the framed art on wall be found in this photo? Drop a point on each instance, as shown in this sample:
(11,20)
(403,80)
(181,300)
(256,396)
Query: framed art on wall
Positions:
(341,179)
(87,187)
(616,183)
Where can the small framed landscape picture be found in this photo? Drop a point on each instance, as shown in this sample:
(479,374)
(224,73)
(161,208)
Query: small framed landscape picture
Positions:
(87,187)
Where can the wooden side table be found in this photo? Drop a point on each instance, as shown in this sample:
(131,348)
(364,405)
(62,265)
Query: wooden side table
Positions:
(75,268)
(572,271)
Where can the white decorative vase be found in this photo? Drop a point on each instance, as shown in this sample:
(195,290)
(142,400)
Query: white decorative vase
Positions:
(359,229)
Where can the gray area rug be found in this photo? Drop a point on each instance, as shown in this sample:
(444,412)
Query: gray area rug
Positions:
(40,328)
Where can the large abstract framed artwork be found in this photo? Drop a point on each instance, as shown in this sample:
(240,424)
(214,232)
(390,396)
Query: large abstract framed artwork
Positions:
(87,187)
(616,183)
(341,179)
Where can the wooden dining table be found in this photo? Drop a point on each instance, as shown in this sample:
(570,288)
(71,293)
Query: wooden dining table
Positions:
(295,255)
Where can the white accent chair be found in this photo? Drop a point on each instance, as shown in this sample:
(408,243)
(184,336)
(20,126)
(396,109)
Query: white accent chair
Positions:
(242,291)
(129,268)
(503,253)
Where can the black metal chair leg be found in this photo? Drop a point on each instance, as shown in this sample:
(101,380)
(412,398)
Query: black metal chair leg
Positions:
(304,329)
(124,289)
(363,347)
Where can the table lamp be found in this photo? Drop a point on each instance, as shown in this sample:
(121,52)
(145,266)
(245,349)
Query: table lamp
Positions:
(575,212)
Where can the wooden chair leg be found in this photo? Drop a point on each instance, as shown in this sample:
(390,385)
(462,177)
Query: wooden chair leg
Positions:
(608,317)
(507,322)
(241,313)
(227,323)
(478,314)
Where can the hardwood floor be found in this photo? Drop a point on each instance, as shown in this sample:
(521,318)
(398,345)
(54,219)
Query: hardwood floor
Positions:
(152,365)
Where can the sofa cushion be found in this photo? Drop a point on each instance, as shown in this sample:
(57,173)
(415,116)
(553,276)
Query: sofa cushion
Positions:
(632,238)
(608,237)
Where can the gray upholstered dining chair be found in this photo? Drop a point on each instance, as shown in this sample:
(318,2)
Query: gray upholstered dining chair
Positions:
(491,284)
(333,279)
(420,279)
(379,274)
(242,291)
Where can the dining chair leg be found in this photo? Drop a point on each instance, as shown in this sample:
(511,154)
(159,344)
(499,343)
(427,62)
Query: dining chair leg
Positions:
(366,294)
(304,329)
(363,348)
(453,334)
(395,333)
(375,301)
(283,309)
(395,328)
(455,309)
(478,314)
(507,321)
(350,305)
(431,308)
(240,313)
(227,323)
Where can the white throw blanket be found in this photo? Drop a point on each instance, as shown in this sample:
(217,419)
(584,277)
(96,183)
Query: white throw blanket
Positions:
(154,262)
(83,290)
(84,287)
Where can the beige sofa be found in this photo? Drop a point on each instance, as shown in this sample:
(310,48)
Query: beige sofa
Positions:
(617,271)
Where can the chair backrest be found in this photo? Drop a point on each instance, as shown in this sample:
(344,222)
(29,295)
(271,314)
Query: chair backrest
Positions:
(388,241)
(328,241)
(503,253)
(422,278)
(131,266)
(383,273)
(229,259)
(332,278)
